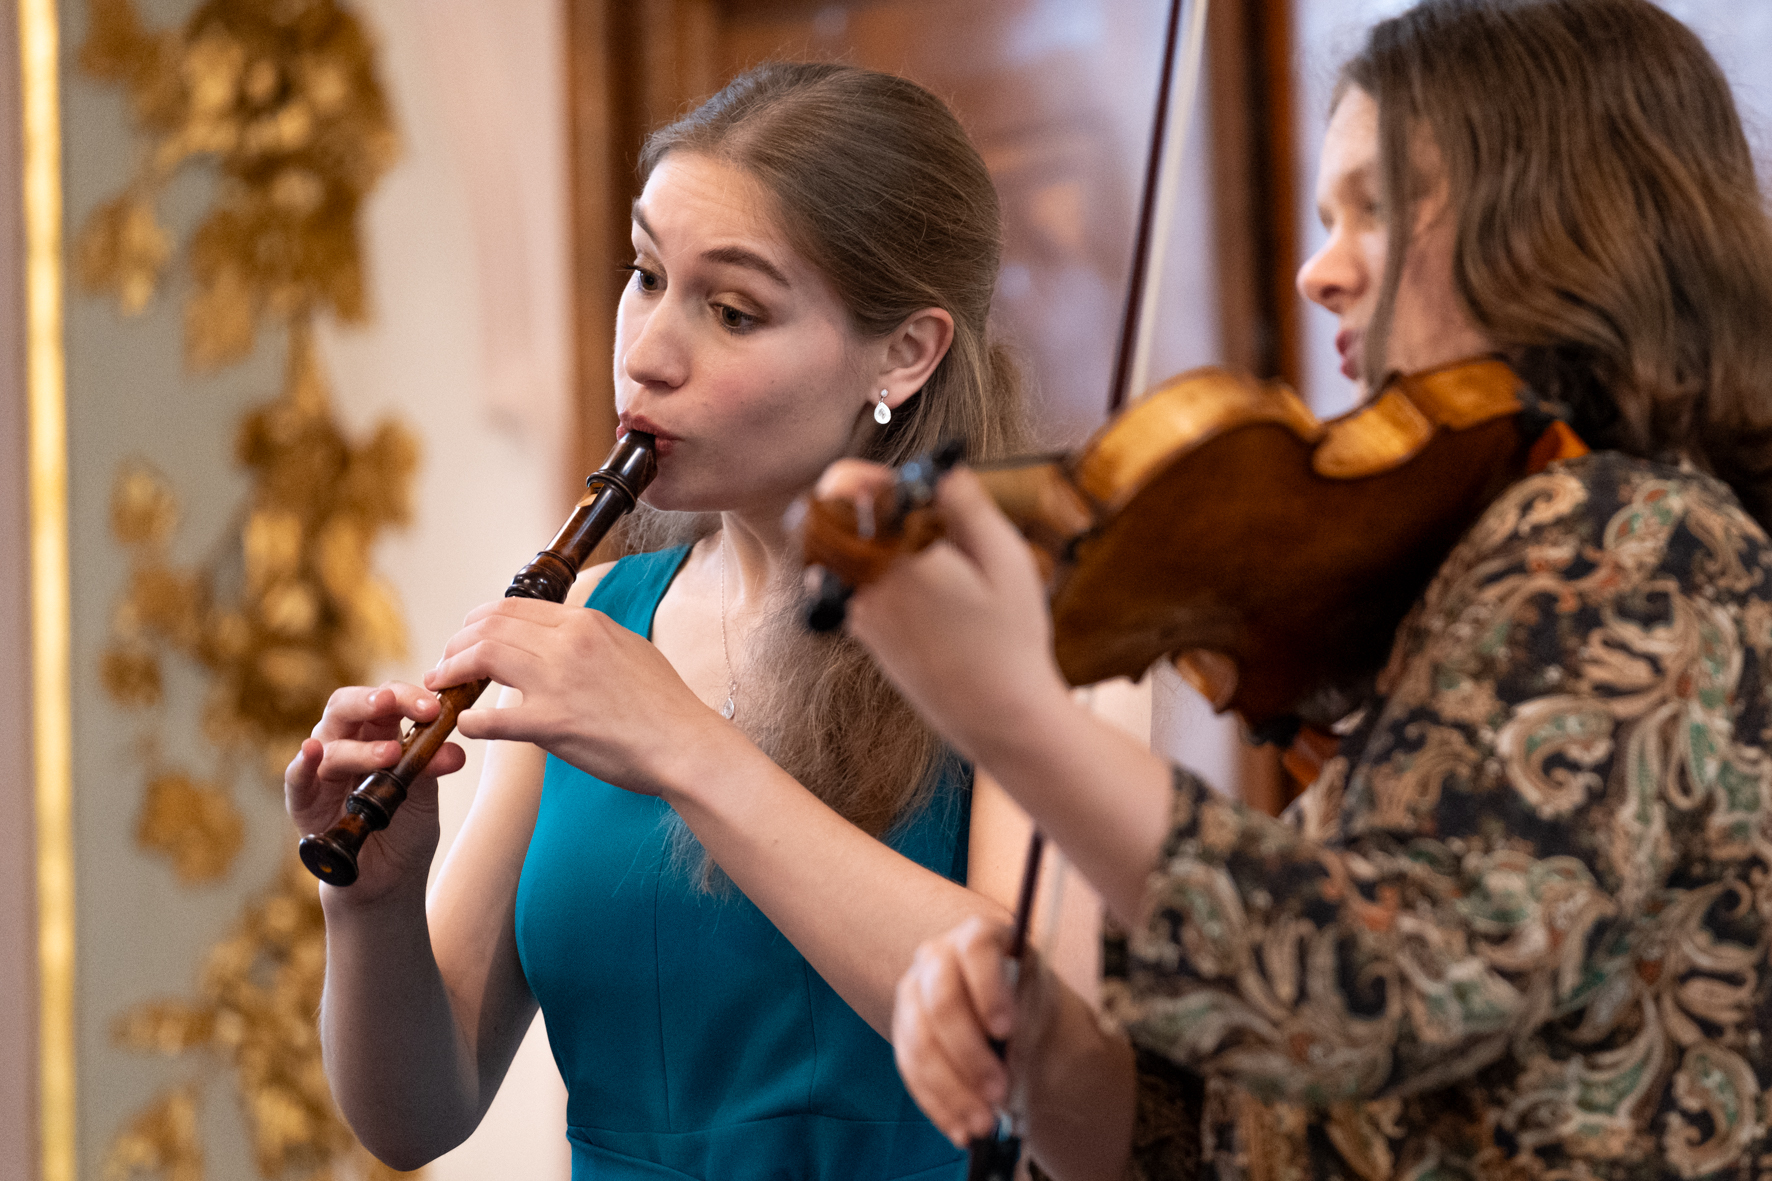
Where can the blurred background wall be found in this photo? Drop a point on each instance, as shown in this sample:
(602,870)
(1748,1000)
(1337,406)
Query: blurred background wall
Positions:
(467,345)
(470,270)
(490,247)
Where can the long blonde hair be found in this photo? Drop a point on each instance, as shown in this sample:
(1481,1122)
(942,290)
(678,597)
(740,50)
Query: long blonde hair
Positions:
(878,186)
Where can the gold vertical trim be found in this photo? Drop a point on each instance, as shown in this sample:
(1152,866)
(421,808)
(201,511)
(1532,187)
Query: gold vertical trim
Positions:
(39,47)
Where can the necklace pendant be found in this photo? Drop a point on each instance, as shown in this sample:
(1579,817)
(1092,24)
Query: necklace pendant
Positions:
(730,708)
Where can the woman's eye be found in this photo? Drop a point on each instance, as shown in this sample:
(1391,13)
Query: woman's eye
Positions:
(644,279)
(733,319)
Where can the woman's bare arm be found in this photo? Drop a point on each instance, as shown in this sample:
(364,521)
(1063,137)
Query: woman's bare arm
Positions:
(422,1012)
(425,1001)
(855,908)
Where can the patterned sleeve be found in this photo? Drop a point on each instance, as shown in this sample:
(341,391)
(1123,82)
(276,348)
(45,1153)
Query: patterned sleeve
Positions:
(1556,820)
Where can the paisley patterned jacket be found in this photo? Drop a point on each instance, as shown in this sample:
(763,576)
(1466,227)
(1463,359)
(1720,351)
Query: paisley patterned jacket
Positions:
(1519,926)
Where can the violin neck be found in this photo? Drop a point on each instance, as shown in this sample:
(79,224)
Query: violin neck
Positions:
(1043,502)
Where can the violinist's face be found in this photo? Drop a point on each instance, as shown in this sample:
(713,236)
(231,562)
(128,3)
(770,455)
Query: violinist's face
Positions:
(731,347)
(1431,325)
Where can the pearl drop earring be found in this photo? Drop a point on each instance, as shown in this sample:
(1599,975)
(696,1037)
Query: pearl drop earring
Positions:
(883,412)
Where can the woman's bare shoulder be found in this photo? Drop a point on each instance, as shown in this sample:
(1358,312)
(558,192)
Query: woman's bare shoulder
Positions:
(588,580)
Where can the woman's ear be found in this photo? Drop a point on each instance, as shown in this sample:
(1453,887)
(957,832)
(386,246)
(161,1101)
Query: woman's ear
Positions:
(911,352)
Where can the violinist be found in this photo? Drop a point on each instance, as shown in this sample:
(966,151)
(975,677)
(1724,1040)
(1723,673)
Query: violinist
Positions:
(707,857)
(1519,924)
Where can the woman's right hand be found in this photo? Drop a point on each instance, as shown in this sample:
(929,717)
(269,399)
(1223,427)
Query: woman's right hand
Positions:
(360,733)
(1073,1083)
(953,1001)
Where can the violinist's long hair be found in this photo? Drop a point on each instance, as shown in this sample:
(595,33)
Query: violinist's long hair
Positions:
(1612,238)
(877,185)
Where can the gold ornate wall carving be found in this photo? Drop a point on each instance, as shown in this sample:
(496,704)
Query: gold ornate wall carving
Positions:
(279,98)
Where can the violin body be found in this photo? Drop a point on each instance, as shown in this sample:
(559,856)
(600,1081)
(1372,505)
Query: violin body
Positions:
(1215,521)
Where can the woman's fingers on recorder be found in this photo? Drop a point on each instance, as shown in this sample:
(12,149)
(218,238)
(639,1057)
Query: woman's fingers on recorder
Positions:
(951,1001)
(505,641)
(301,779)
(359,733)
(357,711)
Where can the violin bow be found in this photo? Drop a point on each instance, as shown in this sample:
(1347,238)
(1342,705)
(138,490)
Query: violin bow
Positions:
(994,1157)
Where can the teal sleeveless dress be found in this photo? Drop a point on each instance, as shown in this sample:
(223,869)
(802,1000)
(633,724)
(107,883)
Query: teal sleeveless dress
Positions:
(694,1040)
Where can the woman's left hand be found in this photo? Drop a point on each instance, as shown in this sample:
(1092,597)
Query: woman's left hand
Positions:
(594,694)
(961,628)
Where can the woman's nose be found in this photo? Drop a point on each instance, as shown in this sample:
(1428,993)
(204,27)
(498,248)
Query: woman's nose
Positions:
(655,352)
(1335,276)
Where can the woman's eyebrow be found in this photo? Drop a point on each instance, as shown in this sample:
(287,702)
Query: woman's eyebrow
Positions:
(738,256)
(735,256)
(640,220)
(1365,176)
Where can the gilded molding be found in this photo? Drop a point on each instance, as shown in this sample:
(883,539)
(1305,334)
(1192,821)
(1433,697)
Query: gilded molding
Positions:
(52,720)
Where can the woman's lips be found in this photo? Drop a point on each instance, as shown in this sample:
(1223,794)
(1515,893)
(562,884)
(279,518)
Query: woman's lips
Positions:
(663,440)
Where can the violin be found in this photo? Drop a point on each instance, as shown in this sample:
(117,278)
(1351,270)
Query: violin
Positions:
(1217,523)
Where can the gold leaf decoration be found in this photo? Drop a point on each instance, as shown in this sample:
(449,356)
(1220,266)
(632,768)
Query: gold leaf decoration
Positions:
(144,510)
(311,615)
(123,249)
(196,824)
(254,1017)
(280,98)
(160,1141)
(131,675)
(164,1027)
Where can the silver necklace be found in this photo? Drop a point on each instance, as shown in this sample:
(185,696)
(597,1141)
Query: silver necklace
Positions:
(731,706)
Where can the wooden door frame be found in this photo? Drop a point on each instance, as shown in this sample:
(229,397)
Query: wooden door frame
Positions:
(1255,184)
(630,66)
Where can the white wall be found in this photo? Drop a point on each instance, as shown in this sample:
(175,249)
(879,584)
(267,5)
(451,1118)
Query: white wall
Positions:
(468,271)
